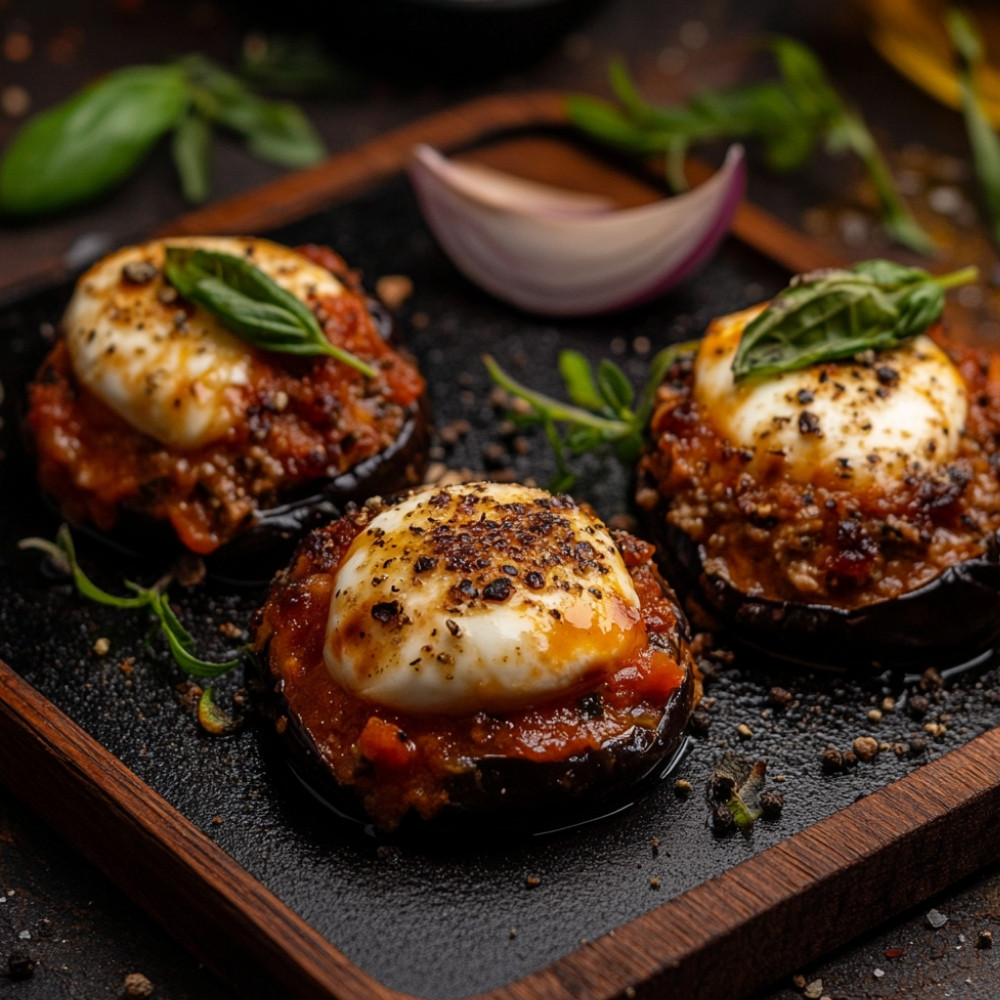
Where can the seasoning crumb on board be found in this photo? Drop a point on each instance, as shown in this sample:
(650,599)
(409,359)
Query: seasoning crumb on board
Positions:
(393,289)
(138,985)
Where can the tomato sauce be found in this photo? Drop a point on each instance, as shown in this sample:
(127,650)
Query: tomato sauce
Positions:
(825,542)
(304,420)
(398,761)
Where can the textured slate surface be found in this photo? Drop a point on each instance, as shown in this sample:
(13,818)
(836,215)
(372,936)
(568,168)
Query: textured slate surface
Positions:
(457,918)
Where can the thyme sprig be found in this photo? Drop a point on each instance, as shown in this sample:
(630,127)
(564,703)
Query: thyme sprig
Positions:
(603,412)
(789,116)
(179,640)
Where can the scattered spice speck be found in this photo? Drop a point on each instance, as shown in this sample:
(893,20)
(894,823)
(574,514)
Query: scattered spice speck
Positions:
(744,731)
(101,646)
(393,289)
(531,881)
(682,788)
(865,748)
(138,985)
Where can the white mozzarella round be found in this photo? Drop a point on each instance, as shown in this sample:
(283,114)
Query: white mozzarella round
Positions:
(482,597)
(171,369)
(864,423)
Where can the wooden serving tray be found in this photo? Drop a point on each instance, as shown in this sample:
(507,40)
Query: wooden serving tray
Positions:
(751,909)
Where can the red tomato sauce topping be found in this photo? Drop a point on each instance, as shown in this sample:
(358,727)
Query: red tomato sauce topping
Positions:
(304,420)
(822,542)
(398,761)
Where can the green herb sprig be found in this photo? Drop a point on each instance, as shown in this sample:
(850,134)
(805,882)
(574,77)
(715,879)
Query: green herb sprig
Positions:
(89,144)
(250,304)
(737,784)
(789,116)
(983,140)
(179,641)
(838,313)
(602,412)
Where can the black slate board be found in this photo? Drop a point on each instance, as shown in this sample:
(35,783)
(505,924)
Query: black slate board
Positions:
(454,918)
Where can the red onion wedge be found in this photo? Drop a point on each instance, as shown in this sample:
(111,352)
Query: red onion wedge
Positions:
(565,253)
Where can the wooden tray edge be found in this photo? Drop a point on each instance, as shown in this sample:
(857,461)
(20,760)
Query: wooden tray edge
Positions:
(771,914)
(860,865)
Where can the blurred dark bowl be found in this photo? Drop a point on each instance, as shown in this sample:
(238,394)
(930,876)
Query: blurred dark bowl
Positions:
(432,40)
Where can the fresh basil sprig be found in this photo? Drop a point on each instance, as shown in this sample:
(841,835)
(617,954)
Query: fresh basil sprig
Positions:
(87,145)
(983,140)
(838,313)
(251,304)
(180,642)
(602,412)
(789,116)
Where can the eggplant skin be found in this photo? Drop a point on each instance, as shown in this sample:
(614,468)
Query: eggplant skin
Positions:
(951,620)
(513,795)
(470,770)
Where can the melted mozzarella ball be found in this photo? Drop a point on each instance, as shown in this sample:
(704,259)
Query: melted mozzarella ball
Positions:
(166,366)
(852,421)
(483,597)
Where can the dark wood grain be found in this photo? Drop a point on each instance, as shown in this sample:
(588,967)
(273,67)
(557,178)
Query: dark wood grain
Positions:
(725,938)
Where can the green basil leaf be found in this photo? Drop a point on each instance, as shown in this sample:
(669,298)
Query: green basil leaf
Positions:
(281,134)
(835,314)
(888,272)
(579,380)
(615,388)
(81,148)
(250,304)
(192,152)
(277,131)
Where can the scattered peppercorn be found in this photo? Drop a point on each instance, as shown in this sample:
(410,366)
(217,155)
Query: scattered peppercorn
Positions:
(699,723)
(723,822)
(779,697)
(771,804)
(833,760)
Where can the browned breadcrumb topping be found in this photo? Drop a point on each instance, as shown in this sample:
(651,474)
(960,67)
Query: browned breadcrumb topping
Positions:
(825,542)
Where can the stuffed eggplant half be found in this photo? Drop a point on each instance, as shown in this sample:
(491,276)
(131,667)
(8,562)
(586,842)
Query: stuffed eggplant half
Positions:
(842,512)
(220,391)
(478,650)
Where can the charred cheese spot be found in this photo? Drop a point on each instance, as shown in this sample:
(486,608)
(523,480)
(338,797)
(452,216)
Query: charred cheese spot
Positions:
(479,597)
(168,367)
(862,423)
